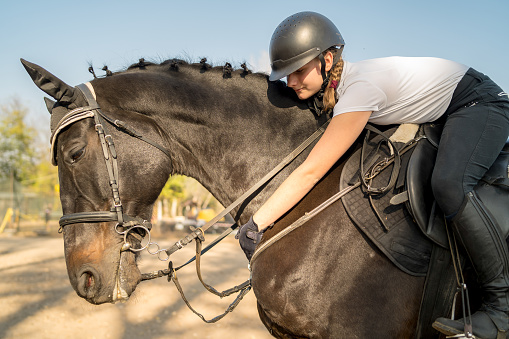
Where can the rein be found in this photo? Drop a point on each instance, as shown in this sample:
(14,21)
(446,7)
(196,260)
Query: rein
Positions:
(244,288)
(289,158)
(198,235)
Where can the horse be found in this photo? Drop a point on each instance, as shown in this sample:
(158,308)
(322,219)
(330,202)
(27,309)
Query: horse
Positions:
(225,128)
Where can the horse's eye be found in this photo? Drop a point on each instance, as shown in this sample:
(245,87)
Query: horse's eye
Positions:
(75,156)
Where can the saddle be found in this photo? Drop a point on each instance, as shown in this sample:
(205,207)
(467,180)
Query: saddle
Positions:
(405,221)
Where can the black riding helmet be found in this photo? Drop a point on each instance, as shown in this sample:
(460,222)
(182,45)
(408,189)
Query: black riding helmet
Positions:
(299,39)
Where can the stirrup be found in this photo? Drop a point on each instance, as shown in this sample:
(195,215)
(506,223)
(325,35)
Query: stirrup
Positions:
(461,290)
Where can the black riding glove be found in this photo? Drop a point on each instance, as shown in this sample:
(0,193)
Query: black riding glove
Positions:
(249,237)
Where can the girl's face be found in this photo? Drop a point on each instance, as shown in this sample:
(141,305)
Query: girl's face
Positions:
(307,80)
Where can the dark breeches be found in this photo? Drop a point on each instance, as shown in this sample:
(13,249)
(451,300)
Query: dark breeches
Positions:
(475,130)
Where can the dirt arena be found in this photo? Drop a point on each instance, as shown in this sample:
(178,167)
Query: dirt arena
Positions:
(37,301)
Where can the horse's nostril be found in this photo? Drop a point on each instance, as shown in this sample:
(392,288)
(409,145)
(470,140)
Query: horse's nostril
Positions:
(88,283)
(89,280)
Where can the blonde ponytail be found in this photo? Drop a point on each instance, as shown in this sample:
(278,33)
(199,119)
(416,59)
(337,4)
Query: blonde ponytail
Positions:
(330,94)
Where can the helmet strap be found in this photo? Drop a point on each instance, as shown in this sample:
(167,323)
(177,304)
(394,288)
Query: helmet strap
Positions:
(322,62)
(325,75)
(315,103)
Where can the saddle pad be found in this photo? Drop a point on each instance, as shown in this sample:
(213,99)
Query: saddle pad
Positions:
(398,237)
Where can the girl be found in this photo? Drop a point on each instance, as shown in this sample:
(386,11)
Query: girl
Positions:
(306,48)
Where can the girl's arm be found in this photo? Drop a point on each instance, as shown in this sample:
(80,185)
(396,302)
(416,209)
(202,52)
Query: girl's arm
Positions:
(341,133)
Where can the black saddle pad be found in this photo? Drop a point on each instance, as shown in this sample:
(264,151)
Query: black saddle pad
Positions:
(398,236)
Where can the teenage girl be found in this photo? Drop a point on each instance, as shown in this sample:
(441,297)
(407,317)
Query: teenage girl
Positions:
(306,49)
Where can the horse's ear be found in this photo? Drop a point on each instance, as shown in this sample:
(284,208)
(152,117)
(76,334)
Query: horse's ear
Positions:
(49,83)
(49,104)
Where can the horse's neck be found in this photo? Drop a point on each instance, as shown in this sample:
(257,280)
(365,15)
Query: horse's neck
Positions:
(225,133)
(230,147)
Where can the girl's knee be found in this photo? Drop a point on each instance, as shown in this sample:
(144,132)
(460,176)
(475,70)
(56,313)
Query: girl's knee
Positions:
(448,193)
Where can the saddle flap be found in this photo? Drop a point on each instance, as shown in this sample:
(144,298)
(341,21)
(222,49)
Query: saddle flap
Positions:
(389,227)
(421,202)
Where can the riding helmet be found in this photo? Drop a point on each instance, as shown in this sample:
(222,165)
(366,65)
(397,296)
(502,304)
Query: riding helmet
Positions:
(299,39)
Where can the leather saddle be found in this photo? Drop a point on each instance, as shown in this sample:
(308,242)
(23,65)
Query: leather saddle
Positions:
(405,222)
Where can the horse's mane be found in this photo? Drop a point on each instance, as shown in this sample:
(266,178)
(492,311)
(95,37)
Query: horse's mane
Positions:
(279,96)
(226,71)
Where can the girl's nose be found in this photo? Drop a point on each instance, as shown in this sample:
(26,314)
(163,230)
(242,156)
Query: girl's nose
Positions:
(291,80)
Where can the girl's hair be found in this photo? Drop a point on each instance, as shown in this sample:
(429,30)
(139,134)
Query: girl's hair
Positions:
(330,94)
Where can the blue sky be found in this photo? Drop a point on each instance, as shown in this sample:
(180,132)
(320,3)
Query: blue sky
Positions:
(65,36)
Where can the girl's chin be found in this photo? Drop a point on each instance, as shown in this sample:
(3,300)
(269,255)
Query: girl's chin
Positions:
(302,95)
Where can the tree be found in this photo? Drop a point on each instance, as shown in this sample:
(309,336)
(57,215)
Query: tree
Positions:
(17,155)
(44,178)
(180,190)
(174,188)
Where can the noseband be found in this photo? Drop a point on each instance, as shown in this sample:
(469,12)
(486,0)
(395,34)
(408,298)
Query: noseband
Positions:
(110,156)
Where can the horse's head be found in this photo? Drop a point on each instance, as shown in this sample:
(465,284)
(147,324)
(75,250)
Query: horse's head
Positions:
(105,180)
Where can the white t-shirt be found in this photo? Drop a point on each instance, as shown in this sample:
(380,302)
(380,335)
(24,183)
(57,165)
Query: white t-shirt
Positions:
(398,89)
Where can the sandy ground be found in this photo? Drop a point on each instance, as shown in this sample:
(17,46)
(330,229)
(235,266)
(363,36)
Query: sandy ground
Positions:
(37,301)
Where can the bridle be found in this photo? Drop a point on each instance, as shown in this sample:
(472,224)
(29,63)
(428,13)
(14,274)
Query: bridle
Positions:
(125,223)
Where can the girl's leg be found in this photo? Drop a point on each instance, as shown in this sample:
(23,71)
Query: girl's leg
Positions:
(471,141)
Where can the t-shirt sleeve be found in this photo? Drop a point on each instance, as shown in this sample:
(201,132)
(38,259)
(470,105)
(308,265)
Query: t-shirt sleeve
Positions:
(360,96)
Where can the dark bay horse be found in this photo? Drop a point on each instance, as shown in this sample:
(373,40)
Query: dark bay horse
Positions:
(227,130)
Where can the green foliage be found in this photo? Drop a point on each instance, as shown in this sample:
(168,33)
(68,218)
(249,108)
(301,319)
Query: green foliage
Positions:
(17,155)
(174,188)
(186,190)
(44,179)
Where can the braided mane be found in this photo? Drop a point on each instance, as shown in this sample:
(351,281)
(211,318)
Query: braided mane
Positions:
(227,70)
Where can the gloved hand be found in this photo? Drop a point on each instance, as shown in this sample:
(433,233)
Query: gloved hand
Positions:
(249,237)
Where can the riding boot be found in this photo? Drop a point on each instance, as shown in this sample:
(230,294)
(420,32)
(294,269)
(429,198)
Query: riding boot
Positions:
(488,253)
